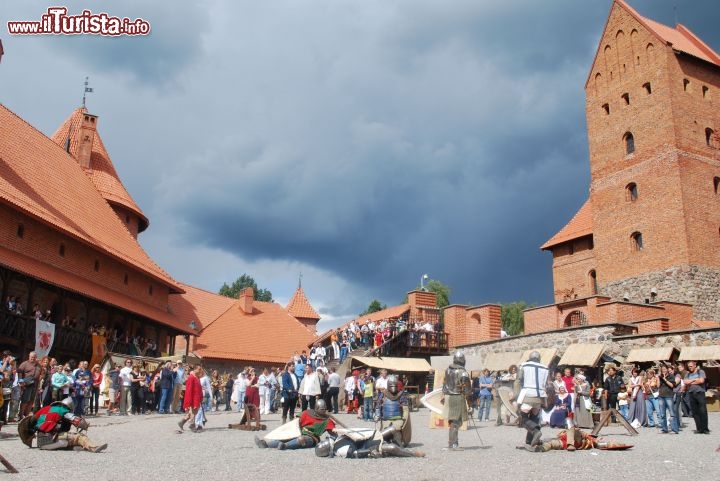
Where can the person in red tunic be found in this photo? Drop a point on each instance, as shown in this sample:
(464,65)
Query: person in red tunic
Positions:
(193,398)
(313,423)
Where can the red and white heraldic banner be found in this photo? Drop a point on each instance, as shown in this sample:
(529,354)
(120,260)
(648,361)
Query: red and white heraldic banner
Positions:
(44,337)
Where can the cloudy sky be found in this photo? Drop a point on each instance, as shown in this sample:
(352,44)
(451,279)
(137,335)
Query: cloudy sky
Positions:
(362,143)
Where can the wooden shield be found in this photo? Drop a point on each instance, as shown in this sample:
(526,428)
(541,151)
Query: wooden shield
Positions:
(505,394)
(289,430)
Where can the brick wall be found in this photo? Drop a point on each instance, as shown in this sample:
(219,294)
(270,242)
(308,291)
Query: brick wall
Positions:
(572,263)
(43,243)
(472,324)
(666,100)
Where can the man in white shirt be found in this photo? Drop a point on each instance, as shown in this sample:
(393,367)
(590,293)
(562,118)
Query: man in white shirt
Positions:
(334,389)
(381,382)
(309,388)
(125,383)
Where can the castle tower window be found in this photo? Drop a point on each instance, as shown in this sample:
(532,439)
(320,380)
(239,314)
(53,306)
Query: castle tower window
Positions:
(61,251)
(686,85)
(647,88)
(626,98)
(629,141)
(125,279)
(21,228)
(709,137)
(150,290)
(706,93)
(637,241)
(716,184)
(593,282)
(631,192)
(96,267)
(606,108)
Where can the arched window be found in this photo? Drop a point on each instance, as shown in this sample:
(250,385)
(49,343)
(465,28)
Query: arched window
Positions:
(593,282)
(647,88)
(606,108)
(631,192)
(626,98)
(629,141)
(575,318)
(637,241)
(716,184)
(709,137)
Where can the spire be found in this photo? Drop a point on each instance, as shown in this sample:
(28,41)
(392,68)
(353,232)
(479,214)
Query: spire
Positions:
(300,307)
(88,90)
(300,281)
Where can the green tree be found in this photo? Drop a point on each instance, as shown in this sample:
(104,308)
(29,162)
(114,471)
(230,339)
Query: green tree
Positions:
(512,317)
(374,306)
(441,291)
(241,283)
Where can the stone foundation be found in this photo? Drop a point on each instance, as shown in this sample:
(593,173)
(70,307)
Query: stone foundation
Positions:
(619,340)
(691,284)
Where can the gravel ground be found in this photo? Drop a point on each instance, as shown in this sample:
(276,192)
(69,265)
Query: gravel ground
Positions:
(148,448)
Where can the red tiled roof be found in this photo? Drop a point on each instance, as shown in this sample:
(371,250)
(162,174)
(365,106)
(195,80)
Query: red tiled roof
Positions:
(268,334)
(199,305)
(102,171)
(300,307)
(40,179)
(85,287)
(579,226)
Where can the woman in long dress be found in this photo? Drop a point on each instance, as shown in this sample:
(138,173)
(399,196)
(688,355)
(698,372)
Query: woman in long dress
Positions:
(583,416)
(637,398)
(563,407)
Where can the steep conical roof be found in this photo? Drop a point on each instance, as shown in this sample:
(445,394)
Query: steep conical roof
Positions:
(300,307)
(102,172)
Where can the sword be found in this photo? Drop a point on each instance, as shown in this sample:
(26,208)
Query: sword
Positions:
(472,421)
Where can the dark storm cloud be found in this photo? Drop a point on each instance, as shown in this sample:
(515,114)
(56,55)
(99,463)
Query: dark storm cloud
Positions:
(154,60)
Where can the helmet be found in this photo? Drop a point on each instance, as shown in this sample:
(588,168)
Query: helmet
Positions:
(323,448)
(392,384)
(534,356)
(459,358)
(321,408)
(68,403)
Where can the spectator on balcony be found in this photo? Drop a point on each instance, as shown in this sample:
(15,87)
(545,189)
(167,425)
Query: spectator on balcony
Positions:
(378,338)
(37,312)
(11,304)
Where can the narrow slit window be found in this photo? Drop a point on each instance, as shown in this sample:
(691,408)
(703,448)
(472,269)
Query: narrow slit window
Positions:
(647,87)
(637,241)
(705,92)
(716,184)
(21,231)
(626,98)
(606,108)
(631,192)
(709,137)
(61,251)
(629,143)
(686,84)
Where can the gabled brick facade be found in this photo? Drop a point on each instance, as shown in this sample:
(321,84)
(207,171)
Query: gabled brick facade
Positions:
(654,205)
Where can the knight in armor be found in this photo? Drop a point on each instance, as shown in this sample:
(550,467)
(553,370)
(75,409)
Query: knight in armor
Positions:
(392,409)
(457,394)
(313,423)
(530,382)
(360,445)
(576,440)
(51,426)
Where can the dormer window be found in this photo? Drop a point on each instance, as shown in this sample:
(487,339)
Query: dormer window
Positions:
(629,141)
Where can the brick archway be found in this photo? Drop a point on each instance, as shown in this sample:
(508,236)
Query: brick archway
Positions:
(575,318)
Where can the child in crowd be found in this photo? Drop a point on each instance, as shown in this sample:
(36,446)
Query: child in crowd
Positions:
(623,402)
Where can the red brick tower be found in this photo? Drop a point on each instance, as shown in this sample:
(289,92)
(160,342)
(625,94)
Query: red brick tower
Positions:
(652,223)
